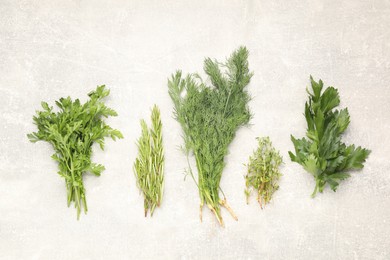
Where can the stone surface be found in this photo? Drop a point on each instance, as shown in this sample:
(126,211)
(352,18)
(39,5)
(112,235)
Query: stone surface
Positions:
(51,49)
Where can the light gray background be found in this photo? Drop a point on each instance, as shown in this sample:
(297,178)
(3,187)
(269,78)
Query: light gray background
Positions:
(50,49)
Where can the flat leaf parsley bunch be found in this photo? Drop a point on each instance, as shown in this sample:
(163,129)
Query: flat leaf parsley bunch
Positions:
(323,154)
(72,131)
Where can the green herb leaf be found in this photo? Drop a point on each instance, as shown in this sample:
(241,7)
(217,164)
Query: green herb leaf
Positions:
(324,155)
(72,131)
(96,169)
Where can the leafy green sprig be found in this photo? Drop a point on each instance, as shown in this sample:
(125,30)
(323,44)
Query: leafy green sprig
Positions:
(323,154)
(149,166)
(72,131)
(209,117)
(263,171)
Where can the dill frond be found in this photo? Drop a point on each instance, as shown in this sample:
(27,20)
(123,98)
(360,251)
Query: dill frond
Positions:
(209,117)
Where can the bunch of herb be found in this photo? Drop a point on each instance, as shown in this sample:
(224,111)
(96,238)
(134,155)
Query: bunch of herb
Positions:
(149,166)
(72,131)
(263,171)
(323,154)
(210,117)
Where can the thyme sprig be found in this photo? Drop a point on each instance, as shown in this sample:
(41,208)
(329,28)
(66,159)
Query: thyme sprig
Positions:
(149,166)
(209,117)
(72,131)
(263,171)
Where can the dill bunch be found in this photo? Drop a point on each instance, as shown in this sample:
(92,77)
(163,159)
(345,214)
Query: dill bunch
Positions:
(149,166)
(209,117)
(72,131)
(263,171)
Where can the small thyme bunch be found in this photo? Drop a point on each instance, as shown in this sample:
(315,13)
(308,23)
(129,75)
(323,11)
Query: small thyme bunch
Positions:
(263,171)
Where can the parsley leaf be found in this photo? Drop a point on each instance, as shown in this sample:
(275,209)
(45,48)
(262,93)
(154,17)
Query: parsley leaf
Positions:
(323,154)
(72,131)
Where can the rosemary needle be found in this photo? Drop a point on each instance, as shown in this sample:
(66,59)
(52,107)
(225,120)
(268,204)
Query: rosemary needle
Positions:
(149,166)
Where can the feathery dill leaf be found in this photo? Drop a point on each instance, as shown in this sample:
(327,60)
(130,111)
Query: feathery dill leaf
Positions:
(72,131)
(149,166)
(209,117)
(323,154)
(263,171)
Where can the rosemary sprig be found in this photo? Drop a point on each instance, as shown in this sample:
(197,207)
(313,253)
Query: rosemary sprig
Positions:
(149,166)
(72,131)
(263,171)
(210,117)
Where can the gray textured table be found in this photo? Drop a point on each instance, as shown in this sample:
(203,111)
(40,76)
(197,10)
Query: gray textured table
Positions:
(50,49)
